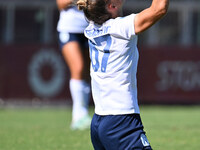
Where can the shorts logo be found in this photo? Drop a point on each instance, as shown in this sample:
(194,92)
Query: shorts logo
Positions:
(64,37)
(144,140)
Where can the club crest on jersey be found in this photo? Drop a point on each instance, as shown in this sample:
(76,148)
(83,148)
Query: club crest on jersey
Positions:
(144,140)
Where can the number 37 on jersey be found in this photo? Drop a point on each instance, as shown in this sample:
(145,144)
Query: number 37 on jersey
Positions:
(104,41)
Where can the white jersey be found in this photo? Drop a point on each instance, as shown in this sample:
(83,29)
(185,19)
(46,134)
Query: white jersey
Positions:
(72,21)
(114,58)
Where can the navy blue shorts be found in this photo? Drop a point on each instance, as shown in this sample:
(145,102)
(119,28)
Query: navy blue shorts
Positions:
(118,132)
(66,37)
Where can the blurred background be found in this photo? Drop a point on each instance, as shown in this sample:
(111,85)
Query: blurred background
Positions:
(32,70)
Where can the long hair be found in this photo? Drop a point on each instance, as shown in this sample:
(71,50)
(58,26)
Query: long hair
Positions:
(95,10)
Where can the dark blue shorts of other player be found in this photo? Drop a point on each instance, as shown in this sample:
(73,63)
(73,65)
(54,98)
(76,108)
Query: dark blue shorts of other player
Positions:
(65,37)
(118,132)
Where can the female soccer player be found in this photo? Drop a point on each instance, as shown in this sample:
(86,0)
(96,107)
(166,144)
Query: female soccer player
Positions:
(116,124)
(74,47)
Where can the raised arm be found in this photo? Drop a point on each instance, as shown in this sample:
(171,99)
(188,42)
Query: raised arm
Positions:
(62,4)
(151,15)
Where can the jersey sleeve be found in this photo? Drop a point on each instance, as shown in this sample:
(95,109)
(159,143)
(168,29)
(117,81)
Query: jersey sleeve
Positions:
(124,26)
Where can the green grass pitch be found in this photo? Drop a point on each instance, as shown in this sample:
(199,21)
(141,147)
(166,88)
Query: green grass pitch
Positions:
(167,128)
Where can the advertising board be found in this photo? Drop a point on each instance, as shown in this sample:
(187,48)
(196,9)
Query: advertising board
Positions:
(166,75)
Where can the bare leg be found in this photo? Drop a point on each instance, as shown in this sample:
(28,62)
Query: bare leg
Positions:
(80,90)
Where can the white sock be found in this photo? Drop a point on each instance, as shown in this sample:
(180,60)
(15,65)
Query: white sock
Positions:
(80,92)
